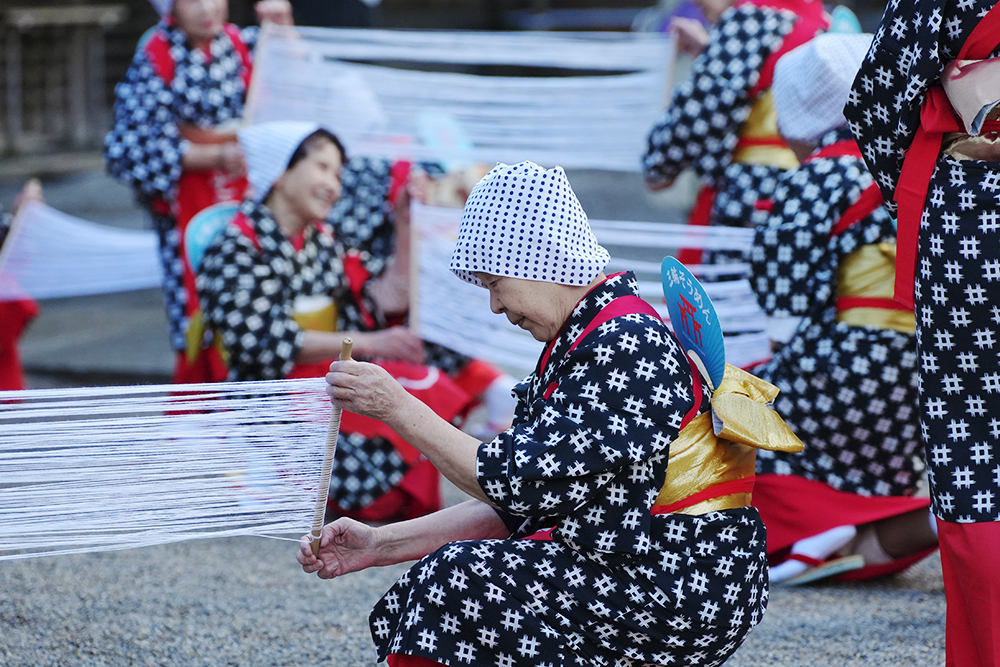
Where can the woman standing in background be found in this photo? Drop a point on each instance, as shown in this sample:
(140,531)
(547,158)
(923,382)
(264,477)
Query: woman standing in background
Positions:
(924,110)
(721,120)
(174,142)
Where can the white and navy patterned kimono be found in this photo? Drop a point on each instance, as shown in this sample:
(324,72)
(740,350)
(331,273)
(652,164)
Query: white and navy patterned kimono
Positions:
(849,392)
(616,585)
(701,128)
(247,291)
(957,288)
(145,147)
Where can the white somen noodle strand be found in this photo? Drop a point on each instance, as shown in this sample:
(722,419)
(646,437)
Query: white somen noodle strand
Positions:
(97,469)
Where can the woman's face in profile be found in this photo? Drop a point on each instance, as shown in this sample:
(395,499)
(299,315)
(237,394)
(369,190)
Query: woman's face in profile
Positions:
(538,307)
(201,20)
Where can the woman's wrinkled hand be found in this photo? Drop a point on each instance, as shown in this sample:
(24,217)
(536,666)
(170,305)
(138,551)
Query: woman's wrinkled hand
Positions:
(231,159)
(364,389)
(344,546)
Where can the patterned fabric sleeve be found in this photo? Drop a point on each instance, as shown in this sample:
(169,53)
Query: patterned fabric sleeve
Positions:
(700,128)
(243,299)
(144,149)
(600,438)
(249,36)
(789,263)
(914,42)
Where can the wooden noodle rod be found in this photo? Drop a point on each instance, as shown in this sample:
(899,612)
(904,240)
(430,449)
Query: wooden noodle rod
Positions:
(331,448)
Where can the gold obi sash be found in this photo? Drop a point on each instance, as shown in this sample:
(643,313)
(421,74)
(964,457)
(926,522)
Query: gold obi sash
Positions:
(759,141)
(711,465)
(315,313)
(865,284)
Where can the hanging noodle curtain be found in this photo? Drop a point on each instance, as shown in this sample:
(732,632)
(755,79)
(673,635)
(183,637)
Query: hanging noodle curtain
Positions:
(587,100)
(94,469)
(97,469)
(49,254)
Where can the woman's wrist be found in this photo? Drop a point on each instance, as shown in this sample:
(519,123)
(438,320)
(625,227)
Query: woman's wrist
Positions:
(199,157)
(387,546)
(400,410)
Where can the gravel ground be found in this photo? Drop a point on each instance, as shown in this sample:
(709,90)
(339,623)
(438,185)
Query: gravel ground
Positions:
(244,602)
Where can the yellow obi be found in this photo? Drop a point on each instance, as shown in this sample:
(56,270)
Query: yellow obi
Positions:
(315,313)
(759,141)
(195,336)
(865,285)
(706,454)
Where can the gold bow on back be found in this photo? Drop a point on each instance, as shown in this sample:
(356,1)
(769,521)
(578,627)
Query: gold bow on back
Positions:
(720,445)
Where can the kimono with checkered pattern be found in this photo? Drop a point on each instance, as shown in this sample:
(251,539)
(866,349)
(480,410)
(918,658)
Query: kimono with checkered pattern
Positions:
(849,392)
(247,294)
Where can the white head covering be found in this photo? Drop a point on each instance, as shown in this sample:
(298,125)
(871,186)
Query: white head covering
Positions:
(523,221)
(812,83)
(164,7)
(267,148)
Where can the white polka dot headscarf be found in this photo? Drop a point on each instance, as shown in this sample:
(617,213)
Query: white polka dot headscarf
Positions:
(523,221)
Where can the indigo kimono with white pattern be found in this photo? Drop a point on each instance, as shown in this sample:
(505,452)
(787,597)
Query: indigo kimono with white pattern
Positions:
(849,392)
(144,148)
(957,281)
(701,127)
(616,585)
